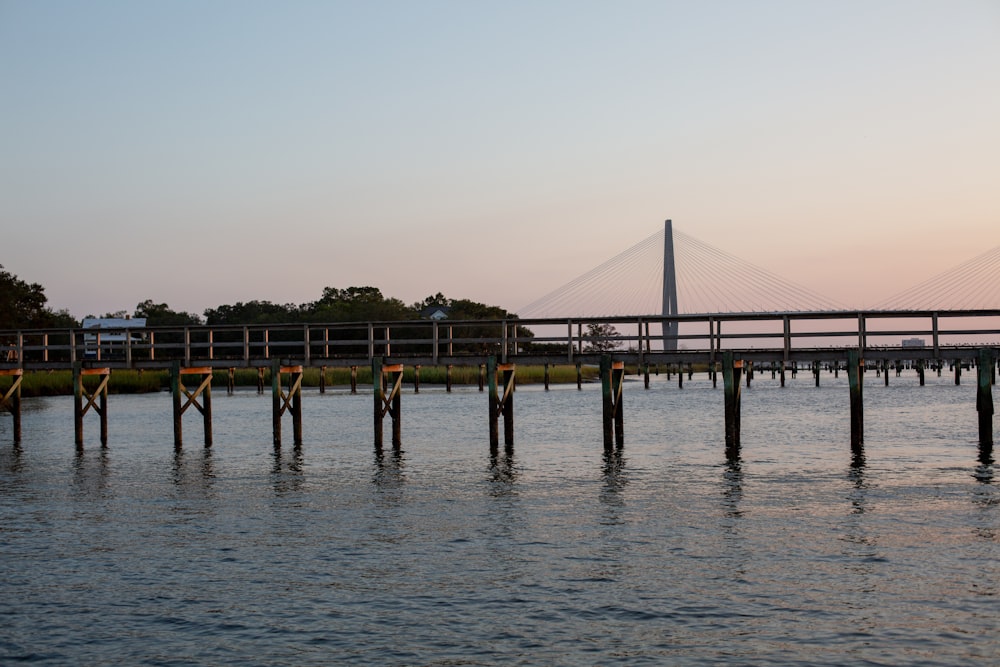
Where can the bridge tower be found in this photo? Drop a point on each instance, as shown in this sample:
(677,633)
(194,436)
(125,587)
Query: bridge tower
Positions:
(669,288)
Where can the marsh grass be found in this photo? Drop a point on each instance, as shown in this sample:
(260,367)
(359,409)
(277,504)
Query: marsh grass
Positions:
(58,383)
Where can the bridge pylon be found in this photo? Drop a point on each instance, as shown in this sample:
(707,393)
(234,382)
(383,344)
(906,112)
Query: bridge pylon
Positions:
(669,288)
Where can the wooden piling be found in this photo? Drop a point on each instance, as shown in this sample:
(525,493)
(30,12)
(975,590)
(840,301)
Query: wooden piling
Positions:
(447,378)
(501,404)
(612,378)
(482,376)
(645,375)
(322,379)
(815,369)
(230,380)
(546,377)
(732,369)
(180,392)
(680,377)
(782,373)
(920,371)
(100,395)
(984,398)
(290,401)
(260,379)
(958,372)
(416,379)
(885,371)
(855,375)
(10,400)
(579,376)
(354,379)
(391,403)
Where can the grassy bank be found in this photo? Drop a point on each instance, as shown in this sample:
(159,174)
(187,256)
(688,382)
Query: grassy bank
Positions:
(60,383)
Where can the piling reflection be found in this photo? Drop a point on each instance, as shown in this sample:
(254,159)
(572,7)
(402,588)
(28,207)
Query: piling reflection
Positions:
(986,454)
(90,474)
(860,545)
(615,477)
(287,471)
(388,476)
(502,472)
(12,459)
(732,487)
(194,473)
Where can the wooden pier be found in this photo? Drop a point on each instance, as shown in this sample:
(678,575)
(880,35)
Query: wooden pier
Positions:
(735,343)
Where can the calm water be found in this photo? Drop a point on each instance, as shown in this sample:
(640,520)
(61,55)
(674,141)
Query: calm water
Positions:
(552,554)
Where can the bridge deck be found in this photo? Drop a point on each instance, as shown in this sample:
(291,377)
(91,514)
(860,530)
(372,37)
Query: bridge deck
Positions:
(792,337)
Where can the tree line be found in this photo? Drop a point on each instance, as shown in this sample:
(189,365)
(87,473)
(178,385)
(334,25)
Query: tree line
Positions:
(24,306)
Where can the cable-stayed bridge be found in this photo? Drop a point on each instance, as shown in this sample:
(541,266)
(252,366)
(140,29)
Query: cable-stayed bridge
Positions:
(674,273)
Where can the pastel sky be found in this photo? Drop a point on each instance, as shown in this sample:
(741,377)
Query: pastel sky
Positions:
(201,153)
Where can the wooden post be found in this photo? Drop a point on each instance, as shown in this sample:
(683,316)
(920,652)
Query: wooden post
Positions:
(855,366)
(816,372)
(11,399)
(290,401)
(782,373)
(354,379)
(645,374)
(416,379)
(732,369)
(322,379)
(447,378)
(579,376)
(680,377)
(494,405)
(885,371)
(920,371)
(501,404)
(612,376)
(958,372)
(482,376)
(260,379)
(984,398)
(231,380)
(546,377)
(179,392)
(390,404)
(100,395)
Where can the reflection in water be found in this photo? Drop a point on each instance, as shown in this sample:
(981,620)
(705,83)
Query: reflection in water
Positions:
(13,462)
(286,473)
(615,478)
(193,474)
(856,474)
(986,456)
(90,477)
(860,548)
(732,487)
(388,478)
(502,472)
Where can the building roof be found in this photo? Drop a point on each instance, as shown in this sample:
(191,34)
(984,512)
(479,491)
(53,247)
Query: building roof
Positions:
(113,322)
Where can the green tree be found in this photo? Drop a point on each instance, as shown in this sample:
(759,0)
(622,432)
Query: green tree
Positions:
(160,314)
(356,304)
(601,338)
(253,312)
(22,305)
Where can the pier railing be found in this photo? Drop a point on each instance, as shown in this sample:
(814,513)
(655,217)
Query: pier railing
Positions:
(699,338)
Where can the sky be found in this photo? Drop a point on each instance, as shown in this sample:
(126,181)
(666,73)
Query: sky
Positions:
(202,153)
